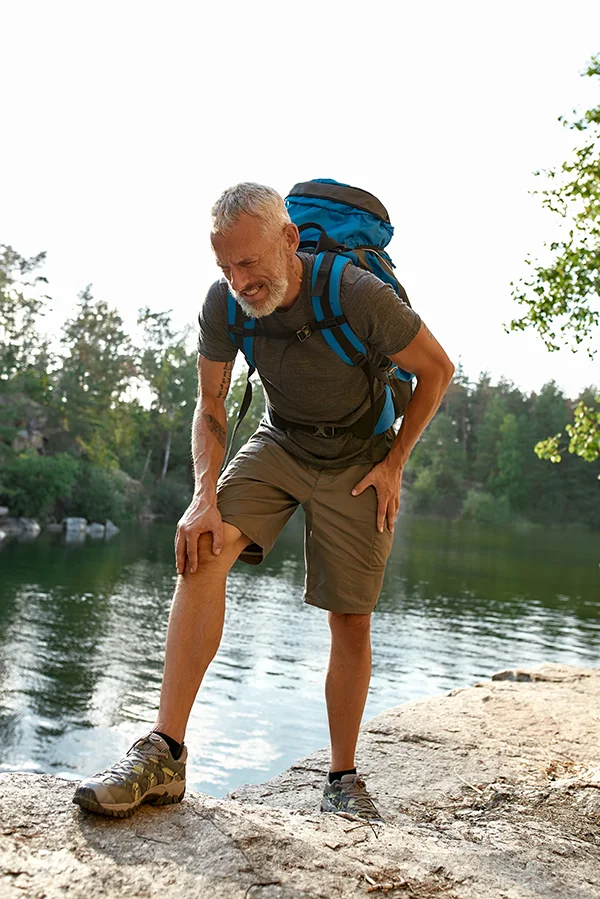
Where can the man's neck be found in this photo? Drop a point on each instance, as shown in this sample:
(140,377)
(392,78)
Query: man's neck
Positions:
(295,284)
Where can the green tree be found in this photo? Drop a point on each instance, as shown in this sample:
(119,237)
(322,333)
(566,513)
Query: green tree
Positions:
(561,298)
(554,492)
(437,468)
(485,463)
(97,366)
(456,405)
(483,507)
(583,432)
(170,371)
(24,353)
(508,480)
(101,494)
(32,485)
(480,396)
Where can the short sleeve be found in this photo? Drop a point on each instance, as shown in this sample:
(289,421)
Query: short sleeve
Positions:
(214,342)
(376,313)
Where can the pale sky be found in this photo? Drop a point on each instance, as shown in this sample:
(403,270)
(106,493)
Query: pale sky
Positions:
(123,121)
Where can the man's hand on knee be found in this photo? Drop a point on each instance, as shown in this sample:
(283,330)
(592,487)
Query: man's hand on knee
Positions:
(199,518)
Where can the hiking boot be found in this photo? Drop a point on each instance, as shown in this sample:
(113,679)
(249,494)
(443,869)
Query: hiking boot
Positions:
(350,795)
(148,773)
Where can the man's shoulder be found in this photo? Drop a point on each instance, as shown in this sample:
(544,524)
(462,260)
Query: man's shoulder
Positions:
(354,282)
(217,292)
(213,339)
(307,260)
(359,287)
(359,280)
(214,304)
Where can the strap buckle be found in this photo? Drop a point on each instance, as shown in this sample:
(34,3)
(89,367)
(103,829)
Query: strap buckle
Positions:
(359,359)
(304,332)
(324,431)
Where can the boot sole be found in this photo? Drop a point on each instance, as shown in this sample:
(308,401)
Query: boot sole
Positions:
(86,799)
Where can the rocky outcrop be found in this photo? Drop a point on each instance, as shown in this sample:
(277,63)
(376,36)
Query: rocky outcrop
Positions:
(26,440)
(23,528)
(489,792)
(25,423)
(75,529)
(96,529)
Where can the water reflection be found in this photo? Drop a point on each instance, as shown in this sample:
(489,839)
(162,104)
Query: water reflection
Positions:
(81,648)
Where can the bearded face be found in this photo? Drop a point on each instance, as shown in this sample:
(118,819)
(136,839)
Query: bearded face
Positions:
(257,265)
(266,292)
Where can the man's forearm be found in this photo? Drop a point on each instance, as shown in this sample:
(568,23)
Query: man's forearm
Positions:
(209,440)
(422,407)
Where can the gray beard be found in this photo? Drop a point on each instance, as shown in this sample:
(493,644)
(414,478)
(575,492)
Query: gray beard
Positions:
(277,292)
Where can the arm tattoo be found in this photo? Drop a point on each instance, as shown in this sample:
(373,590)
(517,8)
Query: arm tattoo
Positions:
(225,380)
(429,334)
(216,428)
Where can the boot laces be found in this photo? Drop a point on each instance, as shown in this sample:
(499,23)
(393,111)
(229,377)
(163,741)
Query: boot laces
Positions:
(137,753)
(357,791)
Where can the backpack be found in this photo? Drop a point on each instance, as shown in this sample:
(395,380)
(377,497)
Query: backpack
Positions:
(340,225)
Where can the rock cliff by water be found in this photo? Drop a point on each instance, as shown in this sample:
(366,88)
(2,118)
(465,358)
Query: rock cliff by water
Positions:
(489,792)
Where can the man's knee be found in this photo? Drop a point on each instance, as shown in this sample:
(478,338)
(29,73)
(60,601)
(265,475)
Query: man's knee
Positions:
(350,630)
(233,544)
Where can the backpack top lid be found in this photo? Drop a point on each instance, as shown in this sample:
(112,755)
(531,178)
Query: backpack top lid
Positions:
(350,215)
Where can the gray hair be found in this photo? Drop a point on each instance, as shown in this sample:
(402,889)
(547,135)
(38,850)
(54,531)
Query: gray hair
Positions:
(253,199)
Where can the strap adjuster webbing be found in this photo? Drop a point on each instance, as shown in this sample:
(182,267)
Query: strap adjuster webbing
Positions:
(327,430)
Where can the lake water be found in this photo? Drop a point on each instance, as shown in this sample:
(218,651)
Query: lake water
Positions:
(83,630)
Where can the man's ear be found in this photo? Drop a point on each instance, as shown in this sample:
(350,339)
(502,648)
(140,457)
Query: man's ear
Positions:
(292,237)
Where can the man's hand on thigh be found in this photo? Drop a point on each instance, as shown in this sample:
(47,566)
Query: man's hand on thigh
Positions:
(387,481)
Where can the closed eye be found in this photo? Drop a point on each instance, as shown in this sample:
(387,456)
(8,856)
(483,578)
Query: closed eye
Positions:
(245,263)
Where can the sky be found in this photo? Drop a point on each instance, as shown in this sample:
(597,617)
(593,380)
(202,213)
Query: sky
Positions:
(124,121)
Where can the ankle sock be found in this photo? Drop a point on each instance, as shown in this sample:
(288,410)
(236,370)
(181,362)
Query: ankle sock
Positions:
(175,747)
(337,775)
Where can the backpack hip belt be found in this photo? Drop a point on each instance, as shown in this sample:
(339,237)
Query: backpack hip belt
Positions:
(362,428)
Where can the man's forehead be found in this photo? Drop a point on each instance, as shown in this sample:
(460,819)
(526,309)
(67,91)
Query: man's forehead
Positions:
(245,239)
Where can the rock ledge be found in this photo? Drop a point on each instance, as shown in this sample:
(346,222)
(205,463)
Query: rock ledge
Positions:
(490,792)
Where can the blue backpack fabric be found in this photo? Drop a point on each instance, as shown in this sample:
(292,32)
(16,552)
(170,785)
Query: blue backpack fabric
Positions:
(340,225)
(352,218)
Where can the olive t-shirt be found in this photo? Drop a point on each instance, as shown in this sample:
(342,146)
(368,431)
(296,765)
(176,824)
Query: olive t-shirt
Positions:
(306,381)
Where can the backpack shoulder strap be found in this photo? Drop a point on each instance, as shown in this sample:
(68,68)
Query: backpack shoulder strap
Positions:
(336,330)
(325,298)
(242,329)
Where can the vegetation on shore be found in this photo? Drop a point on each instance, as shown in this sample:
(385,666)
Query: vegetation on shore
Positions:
(98,425)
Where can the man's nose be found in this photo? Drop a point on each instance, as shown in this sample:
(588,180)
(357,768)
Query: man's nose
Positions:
(238,278)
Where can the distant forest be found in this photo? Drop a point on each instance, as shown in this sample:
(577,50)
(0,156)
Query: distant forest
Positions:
(97,424)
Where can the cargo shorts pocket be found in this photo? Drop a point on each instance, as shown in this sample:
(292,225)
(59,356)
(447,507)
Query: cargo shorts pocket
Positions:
(382,546)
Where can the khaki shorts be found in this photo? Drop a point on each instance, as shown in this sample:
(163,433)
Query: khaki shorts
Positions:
(345,553)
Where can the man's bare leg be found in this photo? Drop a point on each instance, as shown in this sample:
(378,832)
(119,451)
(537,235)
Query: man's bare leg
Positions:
(347,684)
(194,631)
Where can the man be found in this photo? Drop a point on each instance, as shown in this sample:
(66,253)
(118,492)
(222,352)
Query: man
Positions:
(349,487)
